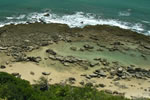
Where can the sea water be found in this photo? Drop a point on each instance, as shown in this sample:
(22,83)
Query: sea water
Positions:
(127,14)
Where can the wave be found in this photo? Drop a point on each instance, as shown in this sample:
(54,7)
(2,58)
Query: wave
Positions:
(79,19)
(124,13)
(147,22)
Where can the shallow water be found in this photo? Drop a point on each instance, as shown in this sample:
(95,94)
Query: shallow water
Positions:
(123,58)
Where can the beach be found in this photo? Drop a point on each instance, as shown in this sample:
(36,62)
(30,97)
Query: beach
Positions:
(110,58)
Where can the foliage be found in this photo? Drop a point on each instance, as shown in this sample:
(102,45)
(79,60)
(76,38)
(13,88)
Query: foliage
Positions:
(14,88)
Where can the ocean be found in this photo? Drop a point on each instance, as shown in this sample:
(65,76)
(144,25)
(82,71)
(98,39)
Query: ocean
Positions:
(126,14)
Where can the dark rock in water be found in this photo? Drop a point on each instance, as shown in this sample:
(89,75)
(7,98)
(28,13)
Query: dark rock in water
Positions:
(147,47)
(93,64)
(130,70)
(47,14)
(46,73)
(81,49)
(120,70)
(100,49)
(52,52)
(138,69)
(88,46)
(2,66)
(42,21)
(82,22)
(102,73)
(73,48)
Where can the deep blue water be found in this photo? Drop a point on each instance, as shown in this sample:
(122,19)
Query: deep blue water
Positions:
(129,14)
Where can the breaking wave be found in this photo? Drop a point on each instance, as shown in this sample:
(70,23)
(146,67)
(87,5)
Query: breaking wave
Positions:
(78,19)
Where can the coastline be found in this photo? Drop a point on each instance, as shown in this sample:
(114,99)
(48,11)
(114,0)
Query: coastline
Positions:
(62,53)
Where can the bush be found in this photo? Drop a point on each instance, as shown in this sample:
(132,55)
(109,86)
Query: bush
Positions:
(12,88)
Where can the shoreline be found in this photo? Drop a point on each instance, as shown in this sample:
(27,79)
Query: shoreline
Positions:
(109,57)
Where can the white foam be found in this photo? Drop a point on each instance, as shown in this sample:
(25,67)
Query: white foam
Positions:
(78,19)
(9,18)
(144,21)
(124,13)
(21,17)
(16,17)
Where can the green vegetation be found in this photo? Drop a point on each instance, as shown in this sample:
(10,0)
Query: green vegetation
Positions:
(12,88)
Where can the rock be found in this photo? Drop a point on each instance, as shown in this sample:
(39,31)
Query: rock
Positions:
(147,47)
(102,73)
(2,66)
(93,75)
(115,92)
(89,84)
(88,46)
(32,73)
(120,70)
(52,52)
(27,41)
(88,77)
(46,73)
(94,38)
(137,75)
(71,80)
(3,48)
(19,57)
(81,49)
(44,43)
(93,64)
(100,49)
(130,70)
(70,59)
(117,43)
(16,75)
(47,14)
(101,85)
(113,72)
(97,59)
(83,75)
(66,64)
(34,59)
(82,82)
(73,48)
(138,69)
(108,91)
(52,57)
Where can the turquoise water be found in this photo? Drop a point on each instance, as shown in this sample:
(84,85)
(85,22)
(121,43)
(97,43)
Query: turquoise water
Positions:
(128,14)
